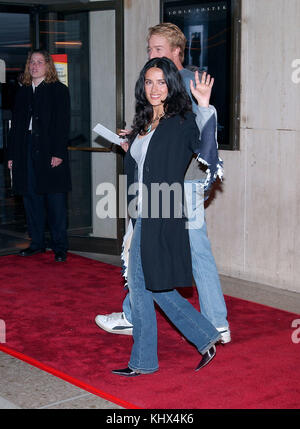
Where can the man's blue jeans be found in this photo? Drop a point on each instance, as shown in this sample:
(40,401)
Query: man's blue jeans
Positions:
(180,312)
(205,272)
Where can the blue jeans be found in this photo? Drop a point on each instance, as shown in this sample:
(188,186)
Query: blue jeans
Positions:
(205,272)
(180,312)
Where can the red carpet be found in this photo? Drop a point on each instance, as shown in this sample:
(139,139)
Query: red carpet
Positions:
(49,310)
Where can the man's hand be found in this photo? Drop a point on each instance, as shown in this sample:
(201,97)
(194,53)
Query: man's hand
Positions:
(202,90)
(55,162)
(9,164)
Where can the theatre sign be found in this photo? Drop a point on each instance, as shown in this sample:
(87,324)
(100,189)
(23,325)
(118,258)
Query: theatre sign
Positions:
(212,30)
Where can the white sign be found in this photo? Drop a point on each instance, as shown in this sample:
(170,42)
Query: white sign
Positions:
(108,135)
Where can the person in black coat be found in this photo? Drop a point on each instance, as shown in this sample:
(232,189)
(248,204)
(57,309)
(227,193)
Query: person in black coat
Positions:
(38,155)
(164,138)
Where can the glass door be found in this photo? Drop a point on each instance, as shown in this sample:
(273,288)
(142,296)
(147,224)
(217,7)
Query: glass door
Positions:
(16,39)
(66,37)
(84,40)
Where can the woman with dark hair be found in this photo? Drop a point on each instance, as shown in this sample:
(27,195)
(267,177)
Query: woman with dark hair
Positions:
(161,144)
(38,155)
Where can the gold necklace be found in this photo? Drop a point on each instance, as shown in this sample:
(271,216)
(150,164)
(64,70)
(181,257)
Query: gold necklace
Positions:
(154,120)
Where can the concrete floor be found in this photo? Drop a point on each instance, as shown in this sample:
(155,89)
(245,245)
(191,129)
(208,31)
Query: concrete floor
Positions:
(23,386)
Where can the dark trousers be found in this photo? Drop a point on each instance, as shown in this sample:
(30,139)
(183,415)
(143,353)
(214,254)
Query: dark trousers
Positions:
(43,208)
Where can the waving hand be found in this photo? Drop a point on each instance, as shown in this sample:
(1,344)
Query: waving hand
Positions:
(202,88)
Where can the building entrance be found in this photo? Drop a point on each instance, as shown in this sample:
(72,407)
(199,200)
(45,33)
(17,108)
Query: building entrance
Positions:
(83,39)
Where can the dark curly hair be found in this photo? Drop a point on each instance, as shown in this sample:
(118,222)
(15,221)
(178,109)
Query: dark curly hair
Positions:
(177,101)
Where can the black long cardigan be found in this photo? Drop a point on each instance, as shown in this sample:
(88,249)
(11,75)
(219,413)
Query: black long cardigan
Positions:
(49,108)
(165,248)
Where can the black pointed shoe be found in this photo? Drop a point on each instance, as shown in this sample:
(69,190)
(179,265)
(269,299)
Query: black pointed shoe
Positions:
(206,358)
(126,372)
(29,251)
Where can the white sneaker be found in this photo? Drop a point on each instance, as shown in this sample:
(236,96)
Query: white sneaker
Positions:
(225,335)
(116,323)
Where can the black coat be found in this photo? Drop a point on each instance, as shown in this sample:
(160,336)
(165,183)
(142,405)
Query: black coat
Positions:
(165,248)
(49,108)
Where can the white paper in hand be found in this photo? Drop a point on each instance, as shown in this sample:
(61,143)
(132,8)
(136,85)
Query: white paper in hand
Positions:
(108,135)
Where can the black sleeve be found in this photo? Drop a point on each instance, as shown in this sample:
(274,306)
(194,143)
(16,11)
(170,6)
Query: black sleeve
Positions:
(62,121)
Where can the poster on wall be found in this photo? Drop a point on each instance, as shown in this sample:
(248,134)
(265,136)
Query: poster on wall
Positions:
(61,65)
(206,25)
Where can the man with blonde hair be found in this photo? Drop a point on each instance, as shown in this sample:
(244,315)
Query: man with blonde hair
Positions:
(174,36)
(167,40)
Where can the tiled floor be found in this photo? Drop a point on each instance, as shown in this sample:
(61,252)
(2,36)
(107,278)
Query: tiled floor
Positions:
(23,386)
